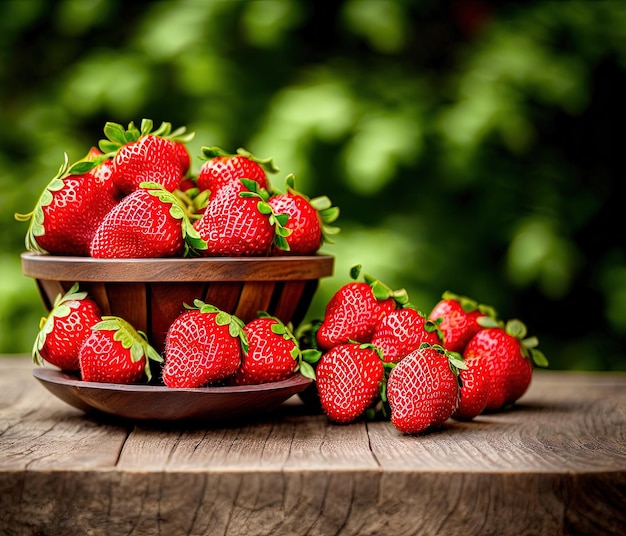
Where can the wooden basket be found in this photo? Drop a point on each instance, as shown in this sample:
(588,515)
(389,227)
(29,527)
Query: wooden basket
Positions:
(150,293)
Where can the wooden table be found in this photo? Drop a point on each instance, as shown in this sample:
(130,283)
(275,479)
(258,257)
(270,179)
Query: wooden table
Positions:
(554,465)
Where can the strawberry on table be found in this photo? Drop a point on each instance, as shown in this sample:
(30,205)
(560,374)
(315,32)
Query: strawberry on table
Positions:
(203,346)
(309,220)
(403,330)
(459,318)
(423,389)
(222,168)
(348,381)
(115,352)
(509,357)
(239,222)
(150,222)
(64,330)
(273,353)
(71,207)
(474,390)
(146,155)
(354,311)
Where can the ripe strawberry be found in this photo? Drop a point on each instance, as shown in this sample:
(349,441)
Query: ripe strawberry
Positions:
(115,352)
(203,346)
(70,208)
(309,220)
(273,353)
(355,309)
(144,155)
(222,168)
(459,318)
(239,222)
(348,381)
(423,389)
(150,222)
(64,330)
(509,357)
(474,390)
(401,331)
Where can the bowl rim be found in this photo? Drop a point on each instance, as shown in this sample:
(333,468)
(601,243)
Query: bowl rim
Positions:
(274,268)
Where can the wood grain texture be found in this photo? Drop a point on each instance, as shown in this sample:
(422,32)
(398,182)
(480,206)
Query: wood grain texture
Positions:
(279,268)
(556,464)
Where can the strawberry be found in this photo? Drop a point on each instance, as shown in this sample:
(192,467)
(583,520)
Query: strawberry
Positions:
(150,222)
(474,390)
(64,330)
(222,168)
(239,222)
(70,209)
(459,318)
(273,353)
(115,352)
(348,380)
(144,155)
(423,389)
(203,346)
(309,220)
(401,331)
(355,309)
(509,357)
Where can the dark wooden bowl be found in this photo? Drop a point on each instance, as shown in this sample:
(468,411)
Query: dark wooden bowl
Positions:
(150,402)
(150,293)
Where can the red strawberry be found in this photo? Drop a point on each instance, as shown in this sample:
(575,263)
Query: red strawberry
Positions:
(400,332)
(459,318)
(348,381)
(65,328)
(509,357)
(239,222)
(203,346)
(143,155)
(222,168)
(308,222)
(355,309)
(70,209)
(423,389)
(474,390)
(273,353)
(150,222)
(115,352)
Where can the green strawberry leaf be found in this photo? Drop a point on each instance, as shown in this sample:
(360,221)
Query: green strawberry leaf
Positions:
(516,328)
(307,370)
(538,358)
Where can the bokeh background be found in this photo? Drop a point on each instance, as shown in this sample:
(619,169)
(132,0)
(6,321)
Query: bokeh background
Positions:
(471,146)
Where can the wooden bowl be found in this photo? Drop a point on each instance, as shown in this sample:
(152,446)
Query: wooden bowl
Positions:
(160,403)
(150,293)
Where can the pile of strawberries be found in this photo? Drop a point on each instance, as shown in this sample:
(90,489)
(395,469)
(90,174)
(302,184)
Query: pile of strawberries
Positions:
(134,197)
(382,356)
(204,346)
(372,355)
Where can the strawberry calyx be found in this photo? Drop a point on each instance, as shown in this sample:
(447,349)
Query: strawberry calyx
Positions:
(323,205)
(222,318)
(117,136)
(207,153)
(60,309)
(455,359)
(193,242)
(131,339)
(528,345)
(278,221)
(380,290)
(305,358)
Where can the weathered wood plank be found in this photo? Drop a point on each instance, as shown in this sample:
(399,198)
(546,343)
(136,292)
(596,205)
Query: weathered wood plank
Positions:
(555,465)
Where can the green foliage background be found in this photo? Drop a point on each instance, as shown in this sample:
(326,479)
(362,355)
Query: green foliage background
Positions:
(471,146)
